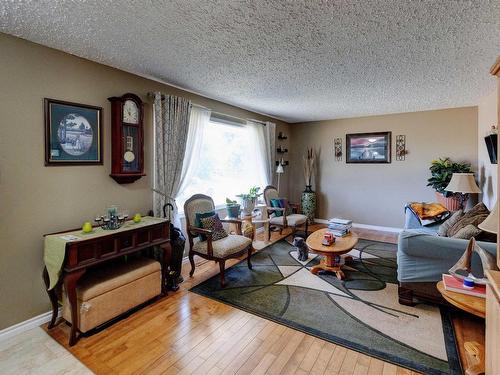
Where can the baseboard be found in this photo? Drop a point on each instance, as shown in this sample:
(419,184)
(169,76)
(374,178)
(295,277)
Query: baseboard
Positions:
(366,226)
(21,327)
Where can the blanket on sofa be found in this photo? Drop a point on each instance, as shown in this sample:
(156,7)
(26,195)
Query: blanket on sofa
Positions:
(429,211)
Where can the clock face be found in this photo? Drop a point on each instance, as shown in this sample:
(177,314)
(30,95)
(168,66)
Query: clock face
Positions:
(130,112)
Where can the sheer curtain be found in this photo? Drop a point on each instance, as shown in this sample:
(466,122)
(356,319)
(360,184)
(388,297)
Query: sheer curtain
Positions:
(198,122)
(265,156)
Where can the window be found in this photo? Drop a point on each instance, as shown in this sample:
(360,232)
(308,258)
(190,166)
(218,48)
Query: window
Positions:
(230,162)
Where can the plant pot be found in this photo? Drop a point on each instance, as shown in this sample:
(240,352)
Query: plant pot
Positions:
(248,206)
(233,210)
(451,203)
(308,203)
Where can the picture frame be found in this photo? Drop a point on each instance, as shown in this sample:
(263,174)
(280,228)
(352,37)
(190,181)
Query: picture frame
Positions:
(73,133)
(368,148)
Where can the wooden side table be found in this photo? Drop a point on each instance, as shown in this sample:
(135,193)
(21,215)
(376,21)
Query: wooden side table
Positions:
(477,307)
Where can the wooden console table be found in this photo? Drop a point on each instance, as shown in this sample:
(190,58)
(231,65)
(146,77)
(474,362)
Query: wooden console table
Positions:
(88,252)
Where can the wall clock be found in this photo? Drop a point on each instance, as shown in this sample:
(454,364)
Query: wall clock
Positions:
(127,134)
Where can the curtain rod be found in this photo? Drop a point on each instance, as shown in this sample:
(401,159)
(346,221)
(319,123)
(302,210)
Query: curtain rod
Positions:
(152,95)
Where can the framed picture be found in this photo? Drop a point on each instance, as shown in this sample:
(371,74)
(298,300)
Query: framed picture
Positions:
(73,133)
(368,147)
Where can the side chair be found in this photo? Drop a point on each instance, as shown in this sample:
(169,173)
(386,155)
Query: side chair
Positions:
(284,220)
(232,246)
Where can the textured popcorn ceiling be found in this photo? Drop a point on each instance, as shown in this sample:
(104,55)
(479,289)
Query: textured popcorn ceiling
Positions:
(295,60)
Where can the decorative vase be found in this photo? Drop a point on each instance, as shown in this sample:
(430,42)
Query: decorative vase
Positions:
(308,203)
(248,206)
(451,203)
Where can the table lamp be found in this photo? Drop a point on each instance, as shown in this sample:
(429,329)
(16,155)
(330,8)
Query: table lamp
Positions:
(490,224)
(463,184)
(279,172)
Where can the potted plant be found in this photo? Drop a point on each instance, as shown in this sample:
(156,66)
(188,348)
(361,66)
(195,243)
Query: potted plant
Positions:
(249,199)
(233,208)
(441,172)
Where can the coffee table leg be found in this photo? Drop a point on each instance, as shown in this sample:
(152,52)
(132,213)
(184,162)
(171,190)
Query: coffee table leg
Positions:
(315,269)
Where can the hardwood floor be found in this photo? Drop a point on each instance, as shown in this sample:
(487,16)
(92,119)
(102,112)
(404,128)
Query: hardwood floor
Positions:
(185,333)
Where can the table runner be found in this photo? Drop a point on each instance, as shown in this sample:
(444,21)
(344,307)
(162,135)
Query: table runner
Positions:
(55,244)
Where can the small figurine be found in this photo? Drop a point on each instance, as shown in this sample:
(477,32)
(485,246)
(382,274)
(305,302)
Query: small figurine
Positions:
(302,249)
(328,239)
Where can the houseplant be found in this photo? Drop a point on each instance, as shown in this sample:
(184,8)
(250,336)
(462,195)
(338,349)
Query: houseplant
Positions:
(233,208)
(441,171)
(308,198)
(249,199)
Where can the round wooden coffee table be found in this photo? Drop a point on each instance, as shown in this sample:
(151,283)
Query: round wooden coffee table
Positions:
(332,259)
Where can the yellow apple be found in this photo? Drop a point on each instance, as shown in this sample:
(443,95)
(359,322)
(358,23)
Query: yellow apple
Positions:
(137,218)
(87,227)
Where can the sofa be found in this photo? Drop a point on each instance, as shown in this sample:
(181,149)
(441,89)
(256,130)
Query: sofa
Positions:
(423,256)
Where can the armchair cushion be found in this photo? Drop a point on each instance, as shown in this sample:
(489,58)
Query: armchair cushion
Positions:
(197,222)
(214,224)
(293,220)
(224,247)
(278,203)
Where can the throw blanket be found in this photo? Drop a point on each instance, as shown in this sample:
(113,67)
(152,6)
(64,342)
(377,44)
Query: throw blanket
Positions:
(429,212)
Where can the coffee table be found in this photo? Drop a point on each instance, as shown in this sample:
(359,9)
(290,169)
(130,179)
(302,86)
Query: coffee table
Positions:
(332,259)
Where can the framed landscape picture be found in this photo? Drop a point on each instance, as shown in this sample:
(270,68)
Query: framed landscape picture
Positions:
(73,133)
(368,147)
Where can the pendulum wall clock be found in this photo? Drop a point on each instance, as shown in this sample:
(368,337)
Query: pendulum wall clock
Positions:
(127,138)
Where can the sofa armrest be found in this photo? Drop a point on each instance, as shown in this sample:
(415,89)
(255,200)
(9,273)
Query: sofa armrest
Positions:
(419,243)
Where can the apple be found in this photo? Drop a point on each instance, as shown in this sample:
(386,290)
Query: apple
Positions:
(137,218)
(87,227)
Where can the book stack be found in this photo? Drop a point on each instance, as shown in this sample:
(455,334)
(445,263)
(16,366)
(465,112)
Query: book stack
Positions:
(339,227)
(453,285)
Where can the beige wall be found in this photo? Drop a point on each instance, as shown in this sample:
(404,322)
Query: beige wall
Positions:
(35,199)
(487,172)
(375,194)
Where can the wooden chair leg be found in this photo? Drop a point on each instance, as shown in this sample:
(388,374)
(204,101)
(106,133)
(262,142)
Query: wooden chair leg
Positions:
(191,260)
(249,262)
(269,233)
(222,265)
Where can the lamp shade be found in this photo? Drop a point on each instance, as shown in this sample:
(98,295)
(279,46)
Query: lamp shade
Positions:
(280,169)
(490,224)
(463,183)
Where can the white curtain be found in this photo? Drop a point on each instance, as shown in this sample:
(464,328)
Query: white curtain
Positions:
(198,122)
(270,139)
(258,137)
(171,121)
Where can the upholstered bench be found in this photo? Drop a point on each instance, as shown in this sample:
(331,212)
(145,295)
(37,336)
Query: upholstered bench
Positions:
(108,291)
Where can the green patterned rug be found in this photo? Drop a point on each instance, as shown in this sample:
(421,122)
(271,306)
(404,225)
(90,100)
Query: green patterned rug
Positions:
(362,312)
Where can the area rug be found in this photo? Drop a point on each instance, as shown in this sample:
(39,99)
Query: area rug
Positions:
(361,312)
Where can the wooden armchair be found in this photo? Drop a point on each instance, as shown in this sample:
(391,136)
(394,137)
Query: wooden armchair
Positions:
(293,220)
(233,246)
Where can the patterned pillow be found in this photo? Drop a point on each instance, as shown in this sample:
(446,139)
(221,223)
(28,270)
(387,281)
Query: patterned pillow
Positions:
(467,232)
(197,222)
(279,203)
(214,224)
(443,229)
(474,216)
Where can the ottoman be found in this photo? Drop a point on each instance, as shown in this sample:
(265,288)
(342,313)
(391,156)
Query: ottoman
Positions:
(105,292)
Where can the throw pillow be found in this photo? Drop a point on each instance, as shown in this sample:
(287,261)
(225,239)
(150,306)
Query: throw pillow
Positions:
(475,217)
(214,224)
(197,221)
(467,232)
(443,229)
(279,203)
